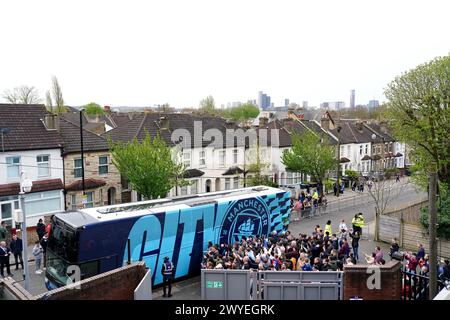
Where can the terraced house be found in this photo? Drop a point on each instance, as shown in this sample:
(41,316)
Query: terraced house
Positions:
(211,164)
(102,185)
(30,146)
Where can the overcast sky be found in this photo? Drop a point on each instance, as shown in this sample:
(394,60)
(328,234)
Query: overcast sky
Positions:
(141,53)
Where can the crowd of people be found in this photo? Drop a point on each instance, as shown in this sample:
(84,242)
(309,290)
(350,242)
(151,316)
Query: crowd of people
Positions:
(12,245)
(308,202)
(419,262)
(322,250)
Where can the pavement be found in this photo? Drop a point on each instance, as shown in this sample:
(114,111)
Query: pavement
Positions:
(343,207)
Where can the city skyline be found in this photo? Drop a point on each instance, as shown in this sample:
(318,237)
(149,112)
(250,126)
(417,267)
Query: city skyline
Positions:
(144,54)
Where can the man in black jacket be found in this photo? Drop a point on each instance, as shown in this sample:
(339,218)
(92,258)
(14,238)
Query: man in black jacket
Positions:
(16,249)
(5,252)
(40,229)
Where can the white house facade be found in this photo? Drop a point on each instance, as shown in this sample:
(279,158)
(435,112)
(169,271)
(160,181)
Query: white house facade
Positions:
(31,148)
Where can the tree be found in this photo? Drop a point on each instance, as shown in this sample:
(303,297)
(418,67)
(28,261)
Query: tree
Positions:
(310,154)
(22,95)
(57,96)
(93,109)
(383,192)
(352,174)
(48,101)
(443,217)
(208,105)
(244,112)
(149,165)
(258,170)
(165,108)
(418,106)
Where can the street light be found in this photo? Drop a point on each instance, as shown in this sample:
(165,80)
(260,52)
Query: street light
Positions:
(25,187)
(374,136)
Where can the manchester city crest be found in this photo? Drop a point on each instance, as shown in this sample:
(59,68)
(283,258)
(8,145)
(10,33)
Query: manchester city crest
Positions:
(248,217)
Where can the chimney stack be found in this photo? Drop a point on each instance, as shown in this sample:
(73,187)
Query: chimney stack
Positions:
(263,121)
(325,122)
(164,123)
(359,125)
(230,124)
(51,121)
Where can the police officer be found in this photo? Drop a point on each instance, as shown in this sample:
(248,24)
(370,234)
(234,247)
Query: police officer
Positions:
(167,273)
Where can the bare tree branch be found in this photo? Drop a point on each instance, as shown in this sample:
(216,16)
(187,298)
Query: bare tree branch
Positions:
(22,95)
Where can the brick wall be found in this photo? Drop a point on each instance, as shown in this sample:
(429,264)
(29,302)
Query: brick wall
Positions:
(118,284)
(355,282)
(112,179)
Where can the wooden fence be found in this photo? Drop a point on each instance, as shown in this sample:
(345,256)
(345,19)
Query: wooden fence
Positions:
(404,224)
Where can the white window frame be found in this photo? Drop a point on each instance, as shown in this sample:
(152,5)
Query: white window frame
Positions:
(43,164)
(73,200)
(222,158)
(194,190)
(361,150)
(187,159)
(39,196)
(202,158)
(13,164)
(236,183)
(235,156)
(227,184)
(183,190)
(90,202)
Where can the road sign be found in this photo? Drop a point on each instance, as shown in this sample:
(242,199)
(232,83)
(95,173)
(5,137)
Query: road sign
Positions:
(84,199)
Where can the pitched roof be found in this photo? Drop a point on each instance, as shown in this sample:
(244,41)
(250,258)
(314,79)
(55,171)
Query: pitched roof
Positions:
(88,120)
(70,134)
(192,173)
(352,131)
(181,127)
(89,183)
(119,119)
(381,132)
(26,129)
(287,127)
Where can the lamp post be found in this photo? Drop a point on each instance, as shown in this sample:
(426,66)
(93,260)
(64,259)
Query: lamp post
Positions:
(374,136)
(25,187)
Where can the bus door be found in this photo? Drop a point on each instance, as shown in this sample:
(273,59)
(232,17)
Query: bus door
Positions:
(188,218)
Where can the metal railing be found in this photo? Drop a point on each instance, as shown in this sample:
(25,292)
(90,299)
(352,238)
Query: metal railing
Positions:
(416,286)
(334,206)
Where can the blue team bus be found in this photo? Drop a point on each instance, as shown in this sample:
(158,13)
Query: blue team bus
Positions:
(104,238)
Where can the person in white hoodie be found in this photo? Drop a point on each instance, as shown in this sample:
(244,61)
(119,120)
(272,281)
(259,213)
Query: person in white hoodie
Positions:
(38,255)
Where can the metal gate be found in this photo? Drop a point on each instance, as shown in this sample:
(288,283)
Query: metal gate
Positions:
(271,285)
(228,284)
(300,285)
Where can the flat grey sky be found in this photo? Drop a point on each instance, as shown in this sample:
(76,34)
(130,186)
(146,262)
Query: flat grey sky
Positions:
(141,53)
